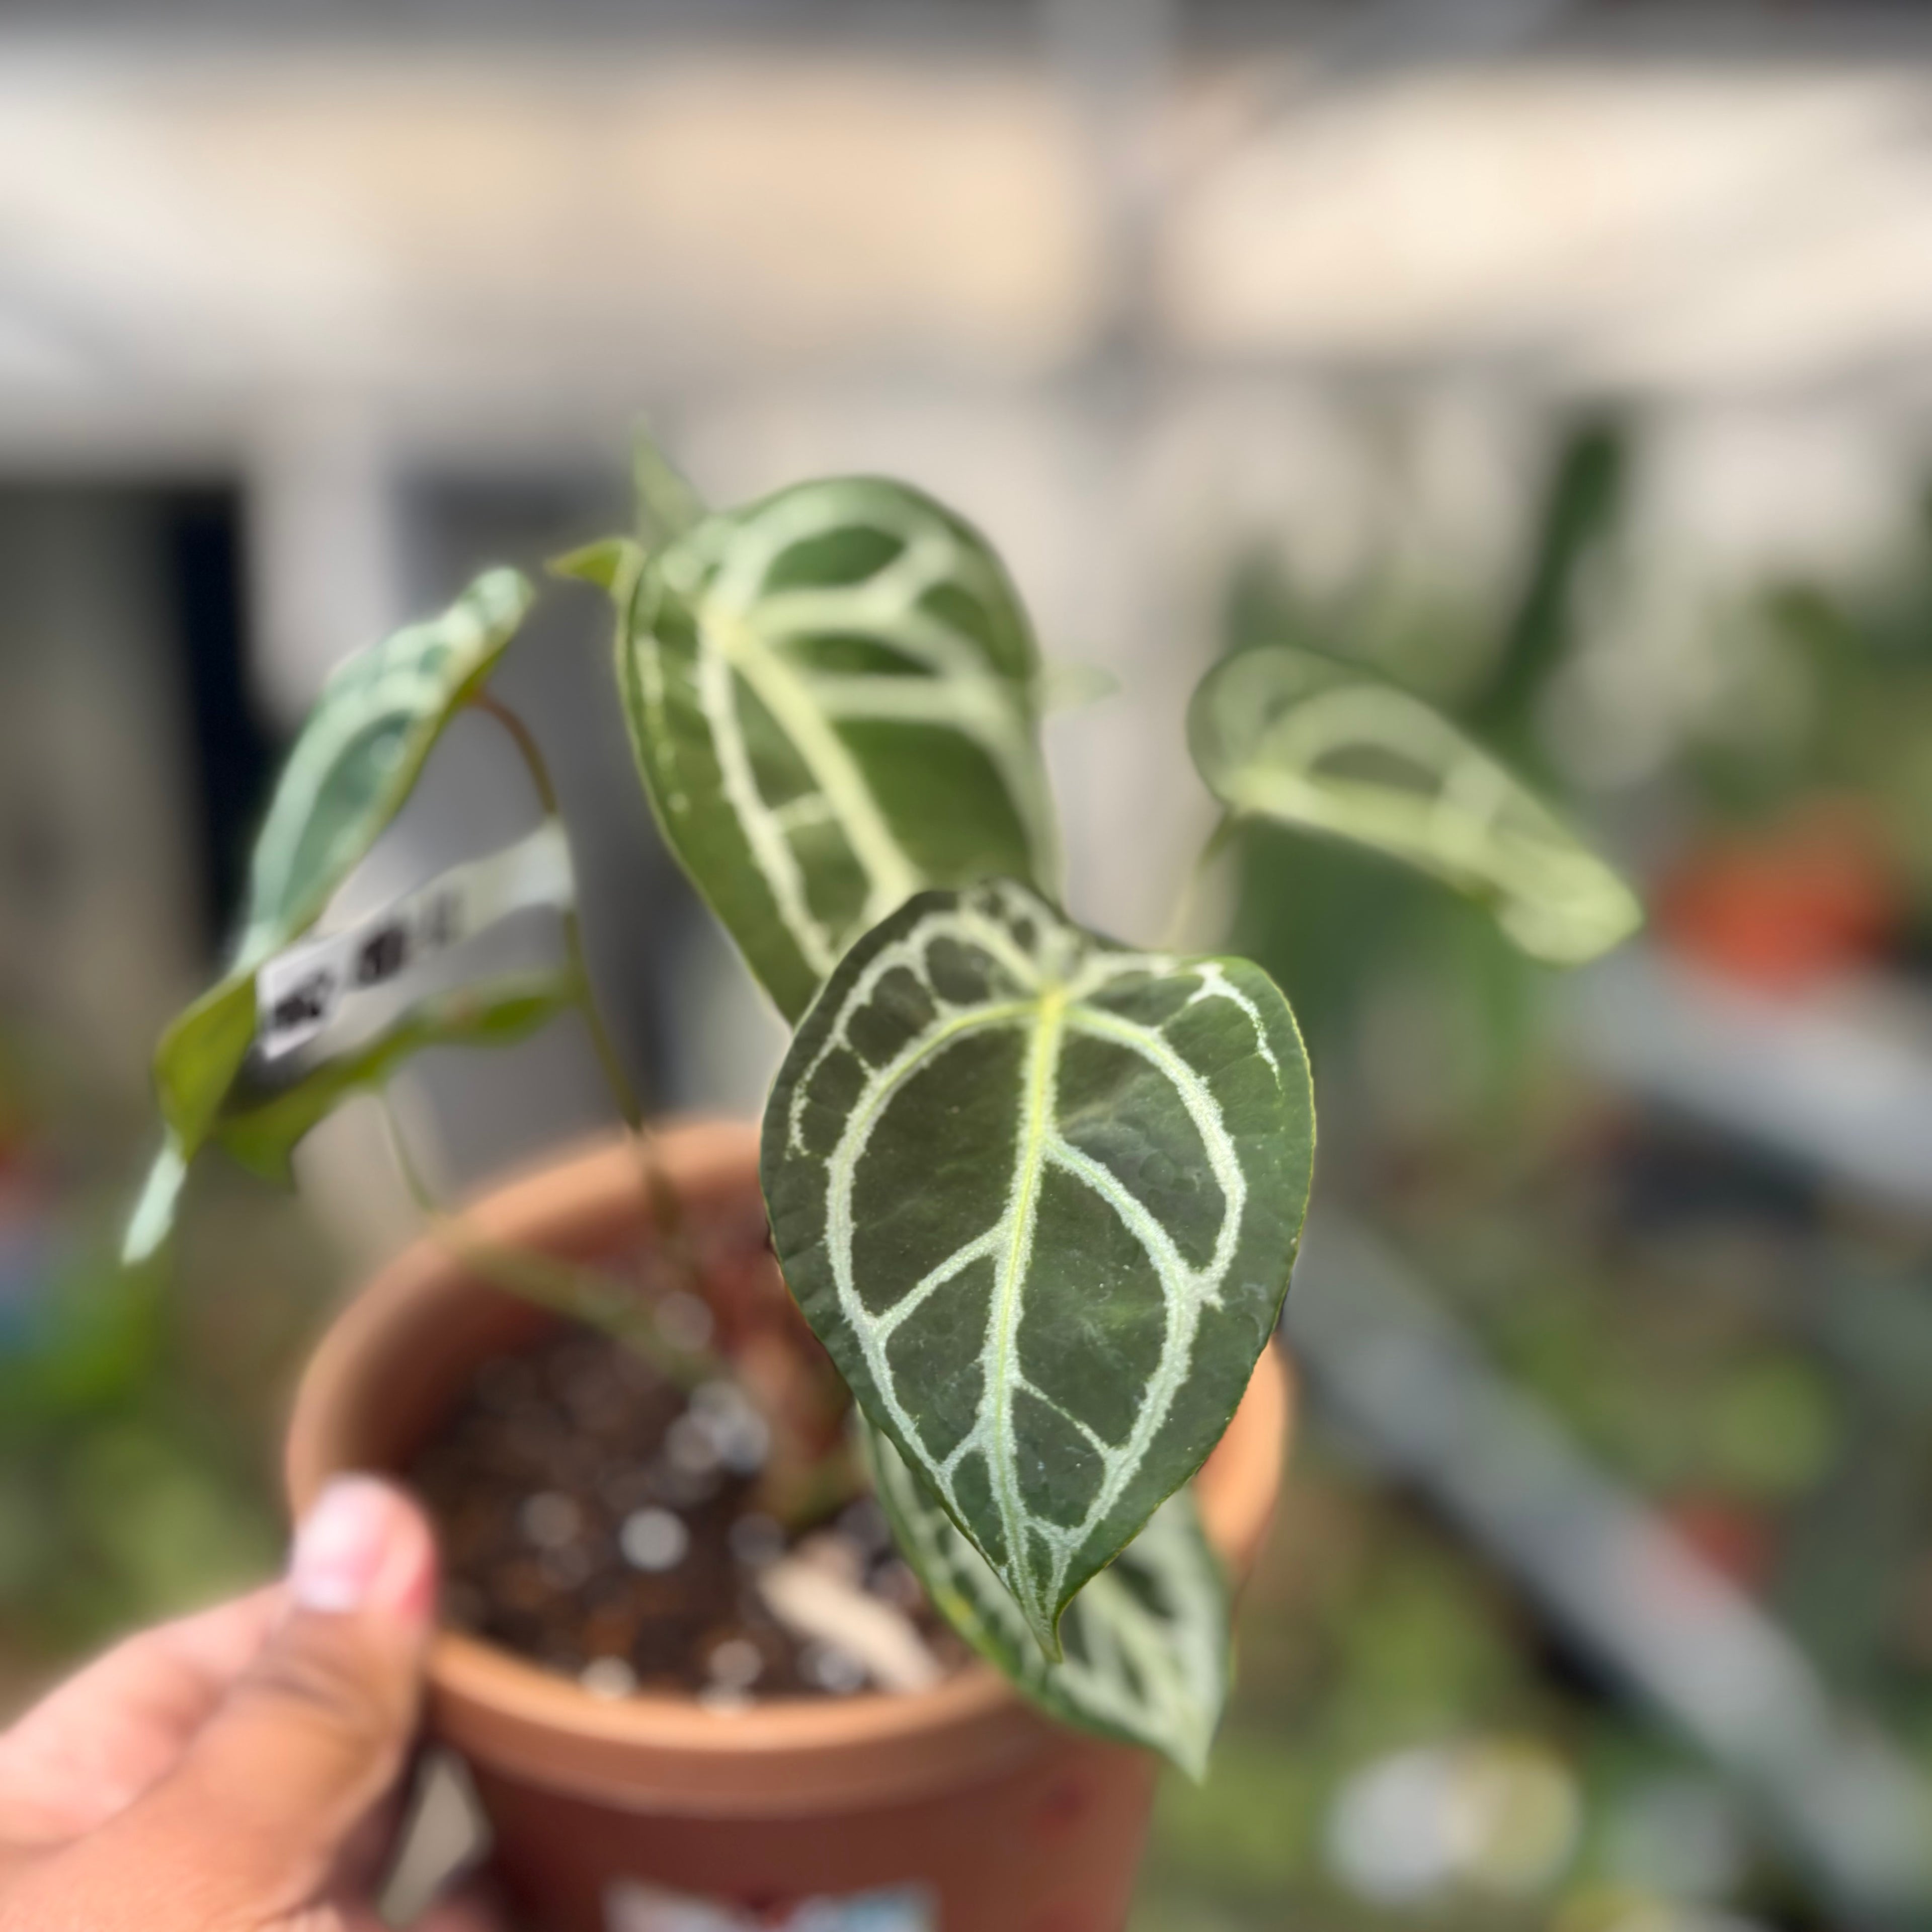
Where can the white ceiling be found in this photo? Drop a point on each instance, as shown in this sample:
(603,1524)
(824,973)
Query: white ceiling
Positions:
(502,244)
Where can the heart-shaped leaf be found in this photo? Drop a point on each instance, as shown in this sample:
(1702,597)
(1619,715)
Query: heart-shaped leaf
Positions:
(832,696)
(1039,1196)
(262,1120)
(357,759)
(362,750)
(1146,1647)
(1287,734)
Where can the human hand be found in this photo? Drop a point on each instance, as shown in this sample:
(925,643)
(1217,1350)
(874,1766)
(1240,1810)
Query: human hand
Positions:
(236,1772)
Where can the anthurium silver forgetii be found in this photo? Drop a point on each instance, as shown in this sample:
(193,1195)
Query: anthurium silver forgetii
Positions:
(1145,1649)
(359,757)
(1039,1196)
(1038,1193)
(1313,742)
(833,697)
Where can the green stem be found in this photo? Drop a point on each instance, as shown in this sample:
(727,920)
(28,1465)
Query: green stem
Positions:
(619,1082)
(667,505)
(602,1301)
(1178,920)
(665,1210)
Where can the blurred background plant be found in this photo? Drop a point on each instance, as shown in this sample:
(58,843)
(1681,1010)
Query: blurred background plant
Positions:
(1566,363)
(137,1424)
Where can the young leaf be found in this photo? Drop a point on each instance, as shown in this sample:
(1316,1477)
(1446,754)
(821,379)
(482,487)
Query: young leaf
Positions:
(357,759)
(1310,741)
(831,697)
(1071,687)
(362,750)
(1039,1196)
(667,505)
(1146,1642)
(610,563)
(260,1124)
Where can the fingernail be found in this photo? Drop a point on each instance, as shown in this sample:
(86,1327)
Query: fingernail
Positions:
(344,1545)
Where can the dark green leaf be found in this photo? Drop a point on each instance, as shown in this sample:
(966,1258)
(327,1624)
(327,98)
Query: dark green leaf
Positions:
(832,695)
(1325,746)
(1039,1196)
(1146,1656)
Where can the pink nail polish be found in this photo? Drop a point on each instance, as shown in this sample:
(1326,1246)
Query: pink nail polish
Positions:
(342,1545)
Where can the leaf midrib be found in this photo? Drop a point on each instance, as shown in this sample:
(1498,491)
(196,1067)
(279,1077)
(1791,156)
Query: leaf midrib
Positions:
(1042,1069)
(1412,827)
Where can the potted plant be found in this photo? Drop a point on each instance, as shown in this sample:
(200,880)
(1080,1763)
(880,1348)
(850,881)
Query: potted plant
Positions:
(1034,1194)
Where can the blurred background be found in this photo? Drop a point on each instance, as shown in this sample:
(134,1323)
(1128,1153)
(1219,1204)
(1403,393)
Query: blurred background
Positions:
(1571,359)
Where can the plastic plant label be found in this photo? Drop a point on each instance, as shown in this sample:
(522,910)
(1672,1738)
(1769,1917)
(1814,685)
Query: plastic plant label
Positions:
(301,993)
(631,1906)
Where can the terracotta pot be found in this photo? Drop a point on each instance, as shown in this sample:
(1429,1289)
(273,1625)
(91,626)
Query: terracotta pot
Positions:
(960,1808)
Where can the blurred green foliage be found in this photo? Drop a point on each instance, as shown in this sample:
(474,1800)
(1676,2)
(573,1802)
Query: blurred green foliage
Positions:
(1834,696)
(139,1418)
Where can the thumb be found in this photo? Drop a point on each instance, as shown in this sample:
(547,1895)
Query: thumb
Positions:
(314,1733)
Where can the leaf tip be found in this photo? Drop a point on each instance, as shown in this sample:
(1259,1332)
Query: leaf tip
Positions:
(604,563)
(1046,1633)
(1575,934)
(667,505)
(1060,688)
(153,1219)
(506,594)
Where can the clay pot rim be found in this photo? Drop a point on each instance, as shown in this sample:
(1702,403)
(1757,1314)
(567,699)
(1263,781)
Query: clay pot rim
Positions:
(500,1707)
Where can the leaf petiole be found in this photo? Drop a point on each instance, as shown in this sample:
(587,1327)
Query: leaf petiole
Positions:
(598,1300)
(1180,921)
(665,1212)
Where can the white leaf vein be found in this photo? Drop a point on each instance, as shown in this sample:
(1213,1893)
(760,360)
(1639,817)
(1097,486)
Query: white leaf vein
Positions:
(746,637)
(1052,978)
(1176,1645)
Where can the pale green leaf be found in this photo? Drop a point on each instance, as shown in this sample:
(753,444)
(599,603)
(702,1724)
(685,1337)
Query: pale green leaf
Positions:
(153,1216)
(667,505)
(265,1117)
(1039,1196)
(1146,1643)
(199,1054)
(1311,742)
(1071,687)
(358,758)
(831,697)
(610,563)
